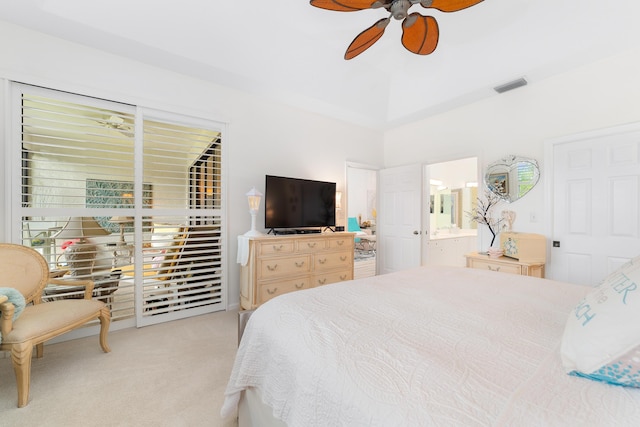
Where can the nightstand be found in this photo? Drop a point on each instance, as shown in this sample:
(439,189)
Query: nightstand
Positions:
(504,264)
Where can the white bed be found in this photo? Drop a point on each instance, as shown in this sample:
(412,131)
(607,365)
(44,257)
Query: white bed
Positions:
(433,346)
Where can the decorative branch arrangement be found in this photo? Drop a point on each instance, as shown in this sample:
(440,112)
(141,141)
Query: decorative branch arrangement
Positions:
(481,213)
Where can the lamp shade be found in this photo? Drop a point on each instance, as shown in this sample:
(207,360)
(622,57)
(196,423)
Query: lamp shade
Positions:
(79,227)
(121,219)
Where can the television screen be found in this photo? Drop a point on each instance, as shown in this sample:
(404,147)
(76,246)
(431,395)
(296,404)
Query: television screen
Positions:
(299,203)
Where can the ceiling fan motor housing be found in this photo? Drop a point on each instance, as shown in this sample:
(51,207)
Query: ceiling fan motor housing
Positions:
(399,8)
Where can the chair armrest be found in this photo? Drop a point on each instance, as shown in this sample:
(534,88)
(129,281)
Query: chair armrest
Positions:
(6,316)
(87,283)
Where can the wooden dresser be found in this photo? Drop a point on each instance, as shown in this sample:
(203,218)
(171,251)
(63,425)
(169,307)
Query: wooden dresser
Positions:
(505,265)
(280,264)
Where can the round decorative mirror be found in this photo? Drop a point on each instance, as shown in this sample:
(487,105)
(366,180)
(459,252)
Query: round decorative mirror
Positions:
(512,177)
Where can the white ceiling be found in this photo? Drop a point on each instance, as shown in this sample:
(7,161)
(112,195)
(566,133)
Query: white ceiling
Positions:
(291,51)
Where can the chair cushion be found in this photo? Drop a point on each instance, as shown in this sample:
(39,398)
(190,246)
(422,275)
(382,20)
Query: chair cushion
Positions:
(50,319)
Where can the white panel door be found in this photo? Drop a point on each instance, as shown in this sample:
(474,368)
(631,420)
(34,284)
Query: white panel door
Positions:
(399,220)
(596,204)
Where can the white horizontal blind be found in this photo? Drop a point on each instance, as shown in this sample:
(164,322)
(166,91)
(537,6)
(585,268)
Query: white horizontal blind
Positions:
(526,177)
(183,263)
(78,163)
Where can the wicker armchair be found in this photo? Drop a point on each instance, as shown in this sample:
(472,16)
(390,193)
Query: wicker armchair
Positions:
(26,270)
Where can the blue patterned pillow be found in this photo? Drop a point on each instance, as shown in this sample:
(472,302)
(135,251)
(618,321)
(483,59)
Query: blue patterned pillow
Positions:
(601,340)
(16,298)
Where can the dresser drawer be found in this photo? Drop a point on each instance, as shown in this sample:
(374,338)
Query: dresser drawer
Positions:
(282,266)
(275,248)
(341,243)
(332,261)
(332,277)
(311,245)
(496,266)
(272,289)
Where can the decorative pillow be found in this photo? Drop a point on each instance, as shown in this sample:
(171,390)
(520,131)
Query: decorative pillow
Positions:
(601,339)
(15,298)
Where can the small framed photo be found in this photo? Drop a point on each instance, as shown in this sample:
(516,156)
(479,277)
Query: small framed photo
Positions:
(499,183)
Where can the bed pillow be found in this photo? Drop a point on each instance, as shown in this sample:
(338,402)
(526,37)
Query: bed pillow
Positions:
(601,339)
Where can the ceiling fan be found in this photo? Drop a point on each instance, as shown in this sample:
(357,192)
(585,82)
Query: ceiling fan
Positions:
(419,33)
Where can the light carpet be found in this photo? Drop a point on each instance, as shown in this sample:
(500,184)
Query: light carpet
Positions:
(172,374)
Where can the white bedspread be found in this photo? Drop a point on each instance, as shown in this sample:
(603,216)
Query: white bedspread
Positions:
(433,346)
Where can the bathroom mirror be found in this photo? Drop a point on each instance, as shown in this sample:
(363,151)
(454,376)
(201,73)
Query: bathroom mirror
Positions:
(512,177)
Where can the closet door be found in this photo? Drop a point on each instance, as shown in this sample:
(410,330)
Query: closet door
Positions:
(596,203)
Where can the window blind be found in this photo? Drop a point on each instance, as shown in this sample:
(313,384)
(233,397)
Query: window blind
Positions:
(145,208)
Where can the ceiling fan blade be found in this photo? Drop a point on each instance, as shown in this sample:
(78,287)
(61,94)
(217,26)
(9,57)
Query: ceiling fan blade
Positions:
(449,5)
(343,5)
(366,39)
(420,34)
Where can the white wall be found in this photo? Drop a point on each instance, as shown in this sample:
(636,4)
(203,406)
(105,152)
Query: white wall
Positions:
(362,193)
(262,137)
(521,122)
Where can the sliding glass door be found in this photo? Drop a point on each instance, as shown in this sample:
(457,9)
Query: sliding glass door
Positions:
(106,191)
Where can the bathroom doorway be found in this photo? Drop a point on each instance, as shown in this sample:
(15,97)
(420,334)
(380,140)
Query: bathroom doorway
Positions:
(451,190)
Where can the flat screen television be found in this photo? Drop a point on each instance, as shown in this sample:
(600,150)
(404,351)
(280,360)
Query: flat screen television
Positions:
(292,203)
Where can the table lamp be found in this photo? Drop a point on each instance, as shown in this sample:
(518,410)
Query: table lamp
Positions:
(81,255)
(253,197)
(121,221)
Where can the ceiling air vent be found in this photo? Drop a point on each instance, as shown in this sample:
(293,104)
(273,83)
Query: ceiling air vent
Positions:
(511,85)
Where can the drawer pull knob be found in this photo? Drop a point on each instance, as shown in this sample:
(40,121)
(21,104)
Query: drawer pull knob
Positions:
(496,269)
(277,248)
(343,258)
(311,244)
(340,242)
(271,292)
(344,277)
(272,267)
(299,285)
(299,264)
(322,261)
(322,281)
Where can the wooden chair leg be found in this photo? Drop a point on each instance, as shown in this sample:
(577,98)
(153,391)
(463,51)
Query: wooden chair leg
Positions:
(40,350)
(105,322)
(21,358)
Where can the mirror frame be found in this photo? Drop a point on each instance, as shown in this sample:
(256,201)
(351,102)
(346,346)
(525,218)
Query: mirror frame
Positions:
(499,176)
